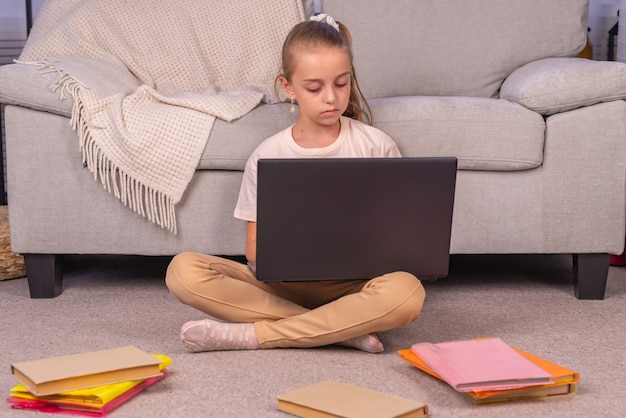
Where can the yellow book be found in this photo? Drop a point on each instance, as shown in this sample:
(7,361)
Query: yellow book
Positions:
(331,399)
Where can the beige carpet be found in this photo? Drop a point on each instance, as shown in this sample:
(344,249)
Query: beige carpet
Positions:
(528,301)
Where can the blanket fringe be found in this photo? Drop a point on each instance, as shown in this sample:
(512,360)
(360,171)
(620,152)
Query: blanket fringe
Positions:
(143,200)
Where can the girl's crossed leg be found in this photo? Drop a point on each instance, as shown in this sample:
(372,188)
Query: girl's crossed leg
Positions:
(300,314)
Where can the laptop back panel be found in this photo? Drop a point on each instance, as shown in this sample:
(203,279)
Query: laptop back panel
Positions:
(358,218)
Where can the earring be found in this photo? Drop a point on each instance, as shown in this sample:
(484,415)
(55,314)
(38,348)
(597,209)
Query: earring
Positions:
(292,108)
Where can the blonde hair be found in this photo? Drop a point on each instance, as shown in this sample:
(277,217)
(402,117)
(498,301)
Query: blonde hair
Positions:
(313,34)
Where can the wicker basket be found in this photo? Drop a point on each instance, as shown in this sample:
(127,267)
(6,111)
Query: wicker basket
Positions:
(11,264)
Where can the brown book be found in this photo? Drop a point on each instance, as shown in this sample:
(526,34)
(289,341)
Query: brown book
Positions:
(84,370)
(330,399)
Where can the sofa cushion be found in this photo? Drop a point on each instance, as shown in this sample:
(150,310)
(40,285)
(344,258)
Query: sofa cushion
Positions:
(484,134)
(454,48)
(231,143)
(555,85)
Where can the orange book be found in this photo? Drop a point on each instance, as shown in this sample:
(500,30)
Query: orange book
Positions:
(564,380)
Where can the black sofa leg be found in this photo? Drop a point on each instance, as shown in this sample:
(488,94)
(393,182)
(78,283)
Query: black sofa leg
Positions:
(45,275)
(590,274)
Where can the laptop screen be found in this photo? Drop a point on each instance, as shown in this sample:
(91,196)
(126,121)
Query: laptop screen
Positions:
(354,218)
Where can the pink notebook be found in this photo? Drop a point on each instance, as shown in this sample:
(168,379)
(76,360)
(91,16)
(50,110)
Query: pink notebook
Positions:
(481,364)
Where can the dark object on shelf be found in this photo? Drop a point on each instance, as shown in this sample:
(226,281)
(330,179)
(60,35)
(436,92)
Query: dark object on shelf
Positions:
(612,52)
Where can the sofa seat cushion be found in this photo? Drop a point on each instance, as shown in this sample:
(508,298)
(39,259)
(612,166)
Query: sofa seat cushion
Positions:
(231,143)
(484,134)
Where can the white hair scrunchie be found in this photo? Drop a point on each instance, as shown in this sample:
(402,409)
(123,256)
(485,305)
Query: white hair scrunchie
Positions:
(323,17)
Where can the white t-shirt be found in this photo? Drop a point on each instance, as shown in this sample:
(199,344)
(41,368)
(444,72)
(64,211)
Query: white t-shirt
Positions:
(355,140)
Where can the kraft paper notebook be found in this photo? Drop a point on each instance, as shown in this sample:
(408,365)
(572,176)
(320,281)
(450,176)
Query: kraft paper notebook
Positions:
(481,364)
(330,399)
(564,381)
(97,396)
(78,371)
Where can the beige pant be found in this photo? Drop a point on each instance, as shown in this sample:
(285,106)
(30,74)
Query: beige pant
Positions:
(300,314)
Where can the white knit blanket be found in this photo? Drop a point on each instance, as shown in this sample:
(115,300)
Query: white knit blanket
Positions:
(148,79)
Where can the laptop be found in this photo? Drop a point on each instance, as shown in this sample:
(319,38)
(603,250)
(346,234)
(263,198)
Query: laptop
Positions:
(354,218)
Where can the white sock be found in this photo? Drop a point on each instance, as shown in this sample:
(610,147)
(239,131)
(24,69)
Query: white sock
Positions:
(367,342)
(211,335)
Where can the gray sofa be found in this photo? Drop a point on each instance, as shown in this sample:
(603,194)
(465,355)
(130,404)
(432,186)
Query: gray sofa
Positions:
(540,137)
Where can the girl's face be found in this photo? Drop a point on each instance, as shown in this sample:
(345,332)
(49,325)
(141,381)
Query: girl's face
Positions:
(320,82)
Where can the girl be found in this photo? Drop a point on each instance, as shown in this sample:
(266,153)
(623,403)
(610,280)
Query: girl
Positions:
(318,74)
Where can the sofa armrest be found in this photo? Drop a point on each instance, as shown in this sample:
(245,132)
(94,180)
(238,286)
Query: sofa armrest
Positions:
(554,85)
(24,85)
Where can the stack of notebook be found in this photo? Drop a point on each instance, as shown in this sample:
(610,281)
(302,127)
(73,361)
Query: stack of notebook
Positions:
(88,384)
(489,370)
